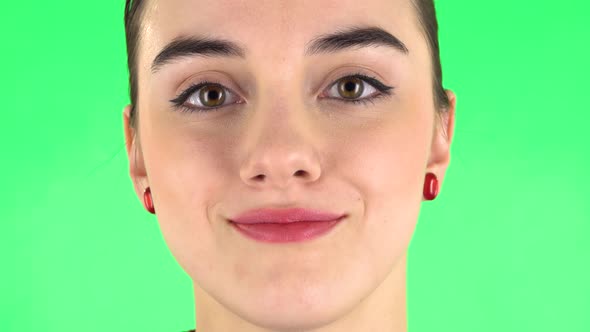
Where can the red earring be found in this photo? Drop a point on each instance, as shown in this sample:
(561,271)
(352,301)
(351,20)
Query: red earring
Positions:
(147,200)
(430,187)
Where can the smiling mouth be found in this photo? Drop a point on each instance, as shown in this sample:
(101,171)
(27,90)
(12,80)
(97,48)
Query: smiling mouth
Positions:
(286,232)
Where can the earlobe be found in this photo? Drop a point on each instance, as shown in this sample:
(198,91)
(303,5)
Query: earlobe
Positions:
(439,158)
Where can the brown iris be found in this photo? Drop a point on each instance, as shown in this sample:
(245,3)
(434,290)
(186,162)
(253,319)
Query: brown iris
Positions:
(212,96)
(351,87)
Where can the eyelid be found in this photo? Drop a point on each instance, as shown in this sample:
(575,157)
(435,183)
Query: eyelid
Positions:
(182,98)
(372,81)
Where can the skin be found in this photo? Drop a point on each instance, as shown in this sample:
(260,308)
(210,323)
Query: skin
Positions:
(368,161)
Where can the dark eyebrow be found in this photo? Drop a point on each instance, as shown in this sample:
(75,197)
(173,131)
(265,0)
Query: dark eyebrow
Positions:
(353,37)
(194,45)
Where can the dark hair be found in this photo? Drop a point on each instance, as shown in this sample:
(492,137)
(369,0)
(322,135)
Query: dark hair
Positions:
(424,8)
(133,14)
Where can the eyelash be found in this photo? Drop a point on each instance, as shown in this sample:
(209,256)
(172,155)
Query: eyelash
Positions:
(384,91)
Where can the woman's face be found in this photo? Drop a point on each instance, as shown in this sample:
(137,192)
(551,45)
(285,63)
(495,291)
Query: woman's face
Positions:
(286,137)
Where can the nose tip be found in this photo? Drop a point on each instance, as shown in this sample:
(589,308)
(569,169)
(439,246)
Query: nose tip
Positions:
(280,172)
(280,145)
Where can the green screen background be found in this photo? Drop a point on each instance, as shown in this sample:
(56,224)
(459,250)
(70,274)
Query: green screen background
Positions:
(503,248)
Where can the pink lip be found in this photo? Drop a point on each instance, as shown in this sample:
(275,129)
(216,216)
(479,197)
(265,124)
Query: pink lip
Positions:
(286,225)
(282,216)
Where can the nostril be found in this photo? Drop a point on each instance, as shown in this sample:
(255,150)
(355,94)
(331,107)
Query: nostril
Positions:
(300,173)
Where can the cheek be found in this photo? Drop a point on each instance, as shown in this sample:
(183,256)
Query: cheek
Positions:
(386,164)
(386,159)
(189,169)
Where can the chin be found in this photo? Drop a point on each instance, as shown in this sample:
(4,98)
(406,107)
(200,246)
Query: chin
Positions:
(296,309)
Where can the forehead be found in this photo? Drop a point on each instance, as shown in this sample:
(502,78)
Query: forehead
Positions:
(271,26)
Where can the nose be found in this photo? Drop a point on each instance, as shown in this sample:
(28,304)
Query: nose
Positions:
(280,149)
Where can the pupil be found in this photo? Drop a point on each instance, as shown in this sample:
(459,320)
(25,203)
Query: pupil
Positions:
(350,86)
(213,94)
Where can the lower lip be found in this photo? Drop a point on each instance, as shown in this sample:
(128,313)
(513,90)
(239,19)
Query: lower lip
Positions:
(289,232)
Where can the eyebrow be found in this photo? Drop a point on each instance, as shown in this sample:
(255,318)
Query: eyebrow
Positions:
(344,39)
(195,46)
(354,37)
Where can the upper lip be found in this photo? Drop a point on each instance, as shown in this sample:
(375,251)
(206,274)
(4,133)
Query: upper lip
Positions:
(282,216)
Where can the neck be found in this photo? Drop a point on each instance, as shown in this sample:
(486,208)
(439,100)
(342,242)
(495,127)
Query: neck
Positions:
(382,310)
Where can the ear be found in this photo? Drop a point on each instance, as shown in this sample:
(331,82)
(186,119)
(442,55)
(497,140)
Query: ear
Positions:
(440,149)
(134,154)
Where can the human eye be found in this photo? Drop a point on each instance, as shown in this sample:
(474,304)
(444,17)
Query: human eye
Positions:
(204,97)
(357,88)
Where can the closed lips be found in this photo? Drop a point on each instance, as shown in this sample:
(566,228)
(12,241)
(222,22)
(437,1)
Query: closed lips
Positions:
(282,216)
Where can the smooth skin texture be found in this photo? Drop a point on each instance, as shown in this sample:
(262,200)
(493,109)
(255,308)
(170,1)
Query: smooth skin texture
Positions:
(285,145)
